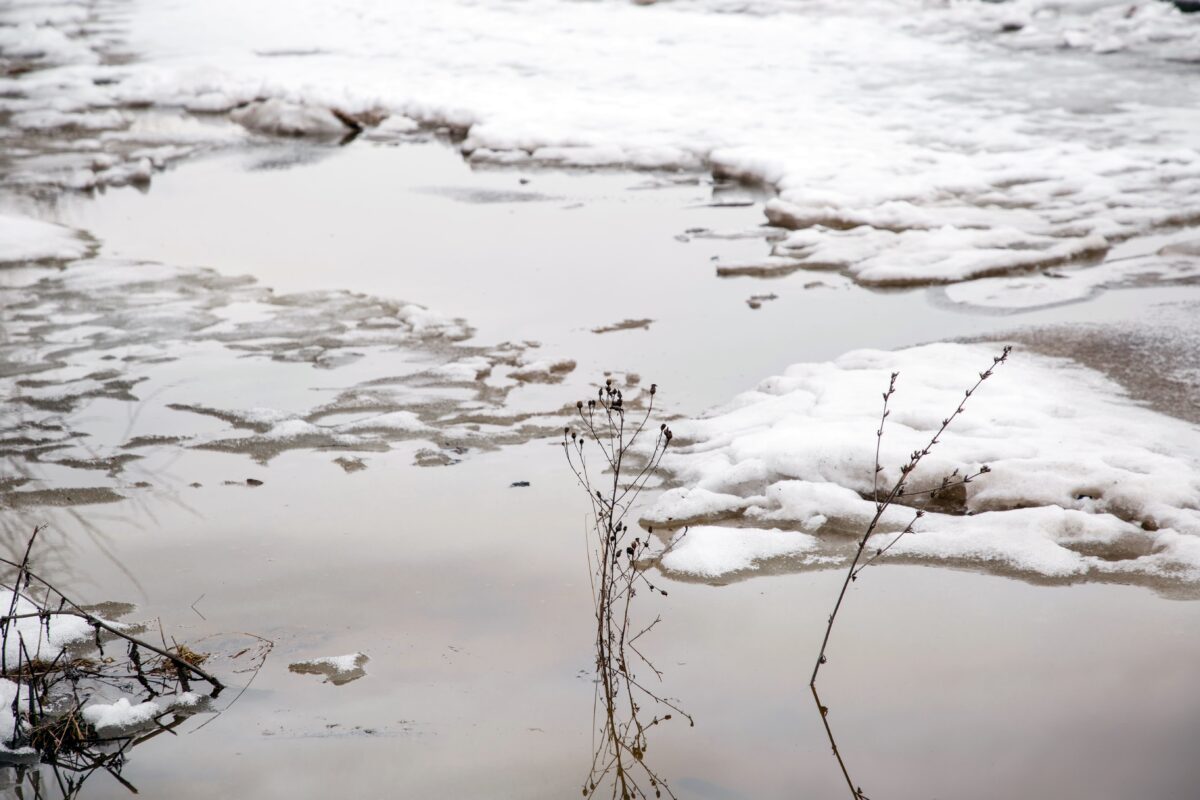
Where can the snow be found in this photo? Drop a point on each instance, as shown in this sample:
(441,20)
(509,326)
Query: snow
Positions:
(339,663)
(44,42)
(8,723)
(903,136)
(41,639)
(711,551)
(1083,480)
(43,120)
(337,670)
(122,716)
(24,239)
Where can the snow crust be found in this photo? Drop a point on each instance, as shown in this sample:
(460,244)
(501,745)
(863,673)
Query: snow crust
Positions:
(1083,481)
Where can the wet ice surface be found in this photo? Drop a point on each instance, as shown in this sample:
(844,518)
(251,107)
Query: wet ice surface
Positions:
(353,373)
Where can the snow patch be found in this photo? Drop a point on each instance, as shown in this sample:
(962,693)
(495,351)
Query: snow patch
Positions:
(337,670)
(710,552)
(23,239)
(1083,481)
(123,716)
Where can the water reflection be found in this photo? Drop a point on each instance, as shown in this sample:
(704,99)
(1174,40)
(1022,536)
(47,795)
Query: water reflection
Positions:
(623,704)
(63,775)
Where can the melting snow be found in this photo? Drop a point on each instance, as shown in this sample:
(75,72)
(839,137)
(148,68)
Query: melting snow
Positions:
(1083,480)
(23,239)
(903,136)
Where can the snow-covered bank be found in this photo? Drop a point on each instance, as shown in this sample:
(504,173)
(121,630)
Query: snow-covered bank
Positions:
(1083,481)
(904,137)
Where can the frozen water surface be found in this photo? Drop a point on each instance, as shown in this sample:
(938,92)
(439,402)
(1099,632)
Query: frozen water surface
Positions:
(262,261)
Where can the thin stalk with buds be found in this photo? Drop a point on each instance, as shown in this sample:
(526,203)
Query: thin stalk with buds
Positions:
(882,503)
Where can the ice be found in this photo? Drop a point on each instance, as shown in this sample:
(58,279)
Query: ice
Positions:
(403,421)
(110,330)
(8,693)
(337,670)
(120,715)
(44,120)
(23,239)
(883,257)
(466,370)
(543,371)
(1096,26)
(282,118)
(1065,285)
(1084,481)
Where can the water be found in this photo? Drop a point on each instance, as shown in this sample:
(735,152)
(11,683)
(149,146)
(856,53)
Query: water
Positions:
(476,614)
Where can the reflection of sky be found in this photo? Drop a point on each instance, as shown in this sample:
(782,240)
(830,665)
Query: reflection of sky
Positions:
(548,270)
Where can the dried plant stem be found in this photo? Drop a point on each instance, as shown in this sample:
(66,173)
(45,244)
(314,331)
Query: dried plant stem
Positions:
(182,666)
(857,563)
(619,753)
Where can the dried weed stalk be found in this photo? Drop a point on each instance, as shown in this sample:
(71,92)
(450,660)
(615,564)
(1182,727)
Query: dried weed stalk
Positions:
(882,502)
(608,432)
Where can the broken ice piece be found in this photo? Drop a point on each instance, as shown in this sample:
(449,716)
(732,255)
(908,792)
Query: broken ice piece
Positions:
(336,669)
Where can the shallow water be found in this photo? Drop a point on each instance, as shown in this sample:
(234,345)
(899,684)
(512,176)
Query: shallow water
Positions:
(589,249)
(476,615)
